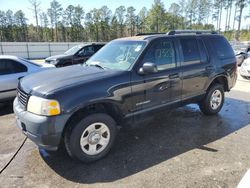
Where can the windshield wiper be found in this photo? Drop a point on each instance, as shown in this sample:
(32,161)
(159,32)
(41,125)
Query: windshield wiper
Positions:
(97,65)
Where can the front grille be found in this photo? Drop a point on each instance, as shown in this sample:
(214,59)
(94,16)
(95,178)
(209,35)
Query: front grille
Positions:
(22,97)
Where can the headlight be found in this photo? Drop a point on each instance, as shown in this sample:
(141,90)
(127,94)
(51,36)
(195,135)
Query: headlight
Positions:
(42,106)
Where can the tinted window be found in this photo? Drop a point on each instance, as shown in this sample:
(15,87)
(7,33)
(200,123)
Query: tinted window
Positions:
(203,51)
(190,51)
(98,47)
(161,53)
(86,51)
(222,47)
(10,67)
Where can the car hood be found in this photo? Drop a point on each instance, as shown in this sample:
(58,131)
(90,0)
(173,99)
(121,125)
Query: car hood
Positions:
(49,81)
(55,57)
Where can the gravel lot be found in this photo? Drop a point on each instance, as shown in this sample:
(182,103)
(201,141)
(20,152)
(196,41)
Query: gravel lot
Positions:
(181,148)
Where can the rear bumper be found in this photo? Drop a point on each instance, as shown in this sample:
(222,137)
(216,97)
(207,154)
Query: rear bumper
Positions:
(44,131)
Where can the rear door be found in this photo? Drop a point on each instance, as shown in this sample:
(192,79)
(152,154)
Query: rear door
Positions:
(10,73)
(195,66)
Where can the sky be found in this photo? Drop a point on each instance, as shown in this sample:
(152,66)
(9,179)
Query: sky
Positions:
(87,5)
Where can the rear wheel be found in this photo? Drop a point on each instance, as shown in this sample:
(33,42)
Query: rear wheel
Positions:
(213,101)
(91,138)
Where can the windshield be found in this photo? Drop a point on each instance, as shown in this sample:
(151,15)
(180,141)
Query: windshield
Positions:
(117,55)
(72,50)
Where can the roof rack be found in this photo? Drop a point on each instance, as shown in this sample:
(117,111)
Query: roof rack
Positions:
(197,32)
(177,32)
(141,34)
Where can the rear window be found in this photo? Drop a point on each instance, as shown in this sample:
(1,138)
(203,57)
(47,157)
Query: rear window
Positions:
(222,47)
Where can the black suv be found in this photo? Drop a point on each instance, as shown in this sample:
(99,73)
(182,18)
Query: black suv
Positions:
(75,55)
(81,107)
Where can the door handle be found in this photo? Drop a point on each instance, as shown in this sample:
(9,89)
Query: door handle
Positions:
(174,76)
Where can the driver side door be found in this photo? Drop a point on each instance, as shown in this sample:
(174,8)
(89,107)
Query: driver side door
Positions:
(162,87)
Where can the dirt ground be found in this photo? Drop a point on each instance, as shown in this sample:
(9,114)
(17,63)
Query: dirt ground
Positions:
(180,148)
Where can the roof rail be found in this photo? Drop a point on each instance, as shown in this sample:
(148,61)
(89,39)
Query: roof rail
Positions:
(141,34)
(197,32)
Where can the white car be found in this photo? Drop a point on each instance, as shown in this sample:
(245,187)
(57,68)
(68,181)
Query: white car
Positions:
(245,69)
(12,69)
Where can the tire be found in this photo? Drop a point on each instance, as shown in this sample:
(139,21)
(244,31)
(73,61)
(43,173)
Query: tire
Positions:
(91,138)
(213,100)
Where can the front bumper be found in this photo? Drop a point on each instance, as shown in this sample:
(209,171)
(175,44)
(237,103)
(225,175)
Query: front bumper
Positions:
(44,131)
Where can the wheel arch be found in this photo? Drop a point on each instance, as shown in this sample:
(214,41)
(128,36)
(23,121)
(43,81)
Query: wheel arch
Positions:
(220,79)
(108,107)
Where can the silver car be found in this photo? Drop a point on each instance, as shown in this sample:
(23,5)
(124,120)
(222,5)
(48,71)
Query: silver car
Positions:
(245,69)
(12,69)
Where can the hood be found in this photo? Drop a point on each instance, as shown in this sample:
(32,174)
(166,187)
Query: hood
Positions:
(55,57)
(46,82)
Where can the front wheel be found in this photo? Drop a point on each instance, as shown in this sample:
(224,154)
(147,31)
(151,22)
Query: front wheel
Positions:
(213,101)
(91,138)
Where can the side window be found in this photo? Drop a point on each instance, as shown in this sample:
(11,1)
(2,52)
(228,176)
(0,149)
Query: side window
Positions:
(87,51)
(98,47)
(10,67)
(203,51)
(3,68)
(161,53)
(190,51)
(221,46)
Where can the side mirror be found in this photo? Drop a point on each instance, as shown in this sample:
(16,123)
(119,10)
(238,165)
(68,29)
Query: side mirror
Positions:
(148,68)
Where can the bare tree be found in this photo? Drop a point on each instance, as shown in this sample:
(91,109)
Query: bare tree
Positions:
(35,8)
(241,4)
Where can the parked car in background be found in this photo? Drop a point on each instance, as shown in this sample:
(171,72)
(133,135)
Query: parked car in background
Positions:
(12,69)
(75,55)
(245,69)
(241,52)
(129,79)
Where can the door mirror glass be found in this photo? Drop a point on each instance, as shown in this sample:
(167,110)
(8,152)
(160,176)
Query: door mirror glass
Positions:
(148,68)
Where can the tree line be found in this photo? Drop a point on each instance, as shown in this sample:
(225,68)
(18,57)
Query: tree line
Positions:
(73,24)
